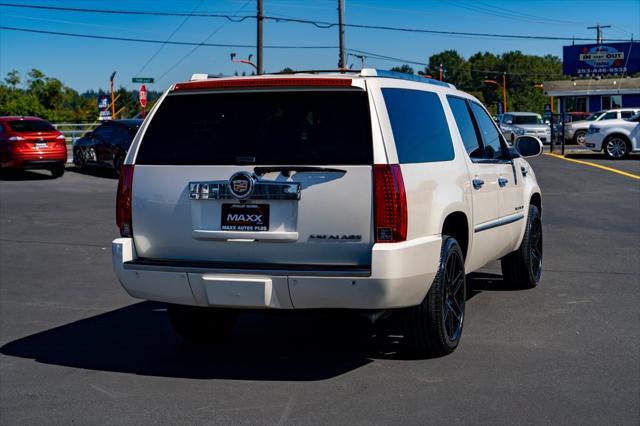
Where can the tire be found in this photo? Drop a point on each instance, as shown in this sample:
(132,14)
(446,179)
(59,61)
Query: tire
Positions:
(579,137)
(434,327)
(117,164)
(201,325)
(616,147)
(57,171)
(523,268)
(78,159)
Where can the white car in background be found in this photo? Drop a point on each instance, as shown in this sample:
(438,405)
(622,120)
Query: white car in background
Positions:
(514,124)
(616,137)
(576,131)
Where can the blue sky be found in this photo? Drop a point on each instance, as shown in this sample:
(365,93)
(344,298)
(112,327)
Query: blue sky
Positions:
(86,64)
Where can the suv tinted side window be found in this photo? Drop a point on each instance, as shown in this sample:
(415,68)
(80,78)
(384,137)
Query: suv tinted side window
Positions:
(465,125)
(610,116)
(626,114)
(420,128)
(488,131)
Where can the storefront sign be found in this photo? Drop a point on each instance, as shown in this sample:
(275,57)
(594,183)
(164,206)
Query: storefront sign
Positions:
(588,60)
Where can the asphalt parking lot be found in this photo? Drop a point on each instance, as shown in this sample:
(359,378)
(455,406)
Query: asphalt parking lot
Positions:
(74,348)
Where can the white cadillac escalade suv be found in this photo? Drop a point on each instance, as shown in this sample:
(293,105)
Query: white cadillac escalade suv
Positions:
(371,191)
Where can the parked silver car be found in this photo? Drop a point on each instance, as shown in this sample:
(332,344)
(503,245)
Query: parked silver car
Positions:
(576,131)
(514,124)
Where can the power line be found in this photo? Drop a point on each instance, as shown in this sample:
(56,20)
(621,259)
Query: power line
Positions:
(317,24)
(371,55)
(129,12)
(504,13)
(184,21)
(192,51)
(142,40)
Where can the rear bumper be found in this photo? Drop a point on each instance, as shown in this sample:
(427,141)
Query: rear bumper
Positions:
(36,161)
(400,275)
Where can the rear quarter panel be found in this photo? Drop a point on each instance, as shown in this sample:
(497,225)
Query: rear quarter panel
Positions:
(434,189)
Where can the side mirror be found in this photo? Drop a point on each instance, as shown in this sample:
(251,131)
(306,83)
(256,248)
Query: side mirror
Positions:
(88,135)
(528,146)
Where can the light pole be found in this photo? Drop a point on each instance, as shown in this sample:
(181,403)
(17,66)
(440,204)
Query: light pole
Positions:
(504,89)
(245,61)
(113,101)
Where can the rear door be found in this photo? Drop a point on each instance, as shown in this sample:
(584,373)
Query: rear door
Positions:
(103,137)
(256,178)
(484,176)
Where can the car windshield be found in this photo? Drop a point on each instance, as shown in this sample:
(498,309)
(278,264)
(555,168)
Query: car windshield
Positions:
(26,126)
(595,116)
(527,119)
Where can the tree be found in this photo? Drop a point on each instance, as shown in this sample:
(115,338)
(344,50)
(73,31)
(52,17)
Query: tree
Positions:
(13,78)
(455,69)
(287,70)
(404,68)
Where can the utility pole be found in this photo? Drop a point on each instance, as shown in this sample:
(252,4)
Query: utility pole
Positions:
(504,89)
(598,28)
(440,72)
(260,18)
(113,101)
(341,60)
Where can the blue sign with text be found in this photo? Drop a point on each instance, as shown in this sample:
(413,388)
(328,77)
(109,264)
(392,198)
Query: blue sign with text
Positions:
(601,59)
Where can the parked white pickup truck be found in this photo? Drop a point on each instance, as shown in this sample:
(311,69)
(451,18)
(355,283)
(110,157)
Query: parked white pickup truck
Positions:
(372,191)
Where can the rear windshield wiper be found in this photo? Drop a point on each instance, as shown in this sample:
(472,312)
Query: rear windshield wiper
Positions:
(286,170)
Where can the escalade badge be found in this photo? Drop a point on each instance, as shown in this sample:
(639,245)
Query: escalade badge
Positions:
(241,185)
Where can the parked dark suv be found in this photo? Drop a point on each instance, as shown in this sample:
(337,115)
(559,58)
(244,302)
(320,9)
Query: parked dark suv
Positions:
(107,145)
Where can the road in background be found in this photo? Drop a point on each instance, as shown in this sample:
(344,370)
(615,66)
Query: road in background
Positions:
(75,348)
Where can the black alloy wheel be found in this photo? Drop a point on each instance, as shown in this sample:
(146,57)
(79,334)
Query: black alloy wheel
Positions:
(454,298)
(535,248)
(522,268)
(434,327)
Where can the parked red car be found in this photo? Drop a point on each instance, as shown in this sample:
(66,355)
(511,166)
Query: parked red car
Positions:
(31,143)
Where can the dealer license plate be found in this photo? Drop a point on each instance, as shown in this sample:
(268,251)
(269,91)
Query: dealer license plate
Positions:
(245,217)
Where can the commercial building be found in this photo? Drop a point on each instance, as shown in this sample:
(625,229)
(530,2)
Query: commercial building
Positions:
(600,77)
(591,95)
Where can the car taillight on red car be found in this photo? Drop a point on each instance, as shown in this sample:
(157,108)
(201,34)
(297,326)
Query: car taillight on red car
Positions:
(390,203)
(123,201)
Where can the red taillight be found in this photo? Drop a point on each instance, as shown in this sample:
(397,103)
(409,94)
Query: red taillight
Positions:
(390,204)
(263,82)
(123,201)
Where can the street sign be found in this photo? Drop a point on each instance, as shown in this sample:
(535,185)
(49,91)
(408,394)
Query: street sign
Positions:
(142,95)
(547,112)
(104,112)
(142,80)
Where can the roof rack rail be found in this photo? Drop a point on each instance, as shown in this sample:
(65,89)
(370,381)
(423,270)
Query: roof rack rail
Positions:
(342,71)
(373,72)
(204,76)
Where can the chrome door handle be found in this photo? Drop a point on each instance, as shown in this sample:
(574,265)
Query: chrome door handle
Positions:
(502,182)
(477,183)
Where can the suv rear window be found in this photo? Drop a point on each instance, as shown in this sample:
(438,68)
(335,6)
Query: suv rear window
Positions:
(419,126)
(25,126)
(269,128)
